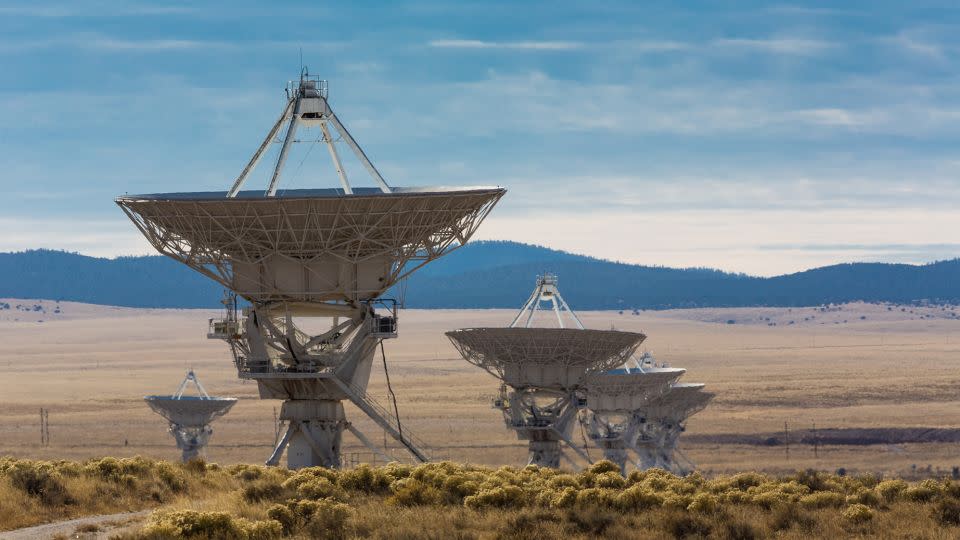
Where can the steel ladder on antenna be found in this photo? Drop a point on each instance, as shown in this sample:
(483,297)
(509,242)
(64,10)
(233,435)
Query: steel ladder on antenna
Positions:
(385,420)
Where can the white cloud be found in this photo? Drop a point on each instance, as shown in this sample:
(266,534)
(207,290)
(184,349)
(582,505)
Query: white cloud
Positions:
(838,117)
(112,44)
(511,45)
(100,238)
(754,242)
(793,46)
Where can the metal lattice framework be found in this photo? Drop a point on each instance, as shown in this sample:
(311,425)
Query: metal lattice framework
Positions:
(524,357)
(307,230)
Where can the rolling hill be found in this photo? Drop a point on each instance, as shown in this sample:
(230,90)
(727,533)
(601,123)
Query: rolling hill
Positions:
(495,275)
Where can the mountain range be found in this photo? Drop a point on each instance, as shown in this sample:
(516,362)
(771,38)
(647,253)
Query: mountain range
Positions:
(495,274)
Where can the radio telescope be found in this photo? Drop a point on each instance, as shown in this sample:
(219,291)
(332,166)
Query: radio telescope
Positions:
(612,399)
(314,266)
(542,368)
(664,420)
(190,416)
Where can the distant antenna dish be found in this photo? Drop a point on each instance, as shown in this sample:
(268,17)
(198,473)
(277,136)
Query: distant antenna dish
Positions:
(612,402)
(665,420)
(190,416)
(543,368)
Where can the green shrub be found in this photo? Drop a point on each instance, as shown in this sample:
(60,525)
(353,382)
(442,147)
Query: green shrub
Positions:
(366,479)
(413,492)
(787,516)
(39,480)
(605,466)
(263,489)
(609,479)
(171,477)
(865,496)
(638,497)
(320,488)
(919,493)
(604,498)
(565,498)
(209,525)
(284,516)
(261,530)
(196,466)
(857,513)
(743,481)
(705,503)
(562,481)
(328,519)
(890,490)
(501,497)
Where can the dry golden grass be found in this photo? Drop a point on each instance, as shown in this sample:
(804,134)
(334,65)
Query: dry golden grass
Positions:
(449,500)
(91,365)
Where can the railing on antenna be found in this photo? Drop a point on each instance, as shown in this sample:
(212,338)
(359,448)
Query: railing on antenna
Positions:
(386,420)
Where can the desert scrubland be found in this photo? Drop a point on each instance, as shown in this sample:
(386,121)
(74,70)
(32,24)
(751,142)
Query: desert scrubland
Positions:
(886,369)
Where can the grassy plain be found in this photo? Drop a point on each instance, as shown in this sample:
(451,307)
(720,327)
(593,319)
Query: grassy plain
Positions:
(857,365)
(447,500)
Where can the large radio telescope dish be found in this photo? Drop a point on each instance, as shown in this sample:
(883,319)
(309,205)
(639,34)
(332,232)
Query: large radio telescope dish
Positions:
(303,255)
(293,246)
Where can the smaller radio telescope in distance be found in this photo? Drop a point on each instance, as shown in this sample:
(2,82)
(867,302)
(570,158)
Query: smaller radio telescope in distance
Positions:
(665,420)
(190,416)
(542,369)
(612,400)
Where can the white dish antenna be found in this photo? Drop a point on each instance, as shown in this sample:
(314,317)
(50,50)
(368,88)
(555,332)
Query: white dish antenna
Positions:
(190,416)
(298,255)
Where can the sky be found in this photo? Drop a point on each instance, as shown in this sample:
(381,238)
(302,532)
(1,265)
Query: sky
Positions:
(764,138)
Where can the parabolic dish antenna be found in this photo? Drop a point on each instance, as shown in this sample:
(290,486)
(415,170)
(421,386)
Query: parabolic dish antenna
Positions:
(547,358)
(299,255)
(544,368)
(665,420)
(190,416)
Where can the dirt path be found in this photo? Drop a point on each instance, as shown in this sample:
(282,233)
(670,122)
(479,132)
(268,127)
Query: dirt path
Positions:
(102,526)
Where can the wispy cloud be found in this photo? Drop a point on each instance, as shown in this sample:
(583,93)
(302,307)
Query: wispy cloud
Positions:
(838,117)
(146,45)
(75,10)
(793,46)
(510,45)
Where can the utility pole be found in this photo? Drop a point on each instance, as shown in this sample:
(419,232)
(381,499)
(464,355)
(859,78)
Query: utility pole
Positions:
(44,427)
(786,439)
(815,441)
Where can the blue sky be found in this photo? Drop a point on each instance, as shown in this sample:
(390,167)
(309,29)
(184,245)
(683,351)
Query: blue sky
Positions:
(757,137)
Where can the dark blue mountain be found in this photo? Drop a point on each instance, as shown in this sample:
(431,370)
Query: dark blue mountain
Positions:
(495,275)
